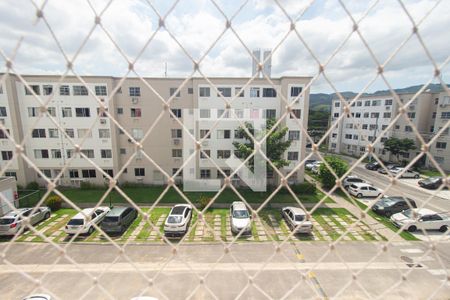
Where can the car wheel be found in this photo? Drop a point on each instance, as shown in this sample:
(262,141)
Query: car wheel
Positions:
(388,214)
(443,228)
(359,195)
(412,228)
(417,176)
(91,229)
(47,215)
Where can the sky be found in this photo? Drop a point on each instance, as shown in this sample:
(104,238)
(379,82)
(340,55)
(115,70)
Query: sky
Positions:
(196,29)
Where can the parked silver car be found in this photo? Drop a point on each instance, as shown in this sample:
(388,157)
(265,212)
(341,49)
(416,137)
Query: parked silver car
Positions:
(11,223)
(295,219)
(240,218)
(178,220)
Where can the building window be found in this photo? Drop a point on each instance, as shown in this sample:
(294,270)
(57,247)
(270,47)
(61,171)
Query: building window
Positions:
(177,133)
(123,151)
(80,90)
(69,153)
(105,153)
(375,115)
(177,153)
(204,92)
(388,102)
(334,135)
(348,136)
(408,128)
(365,126)
(135,91)
(3,133)
(190,91)
(239,134)
(89,153)
(336,115)
(66,112)
(64,90)
(47,89)
(337,104)
(53,133)
(110,172)
(34,88)
(204,133)
(172,92)
(104,133)
(70,132)
(397,126)
(295,113)
(411,115)
(40,153)
(205,154)
(441,145)
(373,127)
(439,159)
(137,133)
(387,115)
(90,173)
(46,172)
(223,134)
(433,116)
(271,113)
(32,112)
(445,115)
(292,155)
(367,103)
(100,90)
(269,92)
(358,115)
(238,91)
(355,137)
(359,103)
(119,110)
(205,173)
(223,154)
(295,91)
(383,127)
(10,174)
(239,113)
(366,115)
(205,113)
(294,135)
(136,113)
(56,153)
(51,111)
(38,133)
(73,173)
(7,155)
(254,92)
(139,172)
(176,112)
(82,112)
(82,132)
(376,102)
(224,91)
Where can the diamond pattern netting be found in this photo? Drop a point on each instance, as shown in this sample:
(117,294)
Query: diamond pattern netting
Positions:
(291,30)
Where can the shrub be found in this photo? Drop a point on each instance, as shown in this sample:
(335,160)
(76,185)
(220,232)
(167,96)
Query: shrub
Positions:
(339,167)
(32,185)
(203,202)
(54,202)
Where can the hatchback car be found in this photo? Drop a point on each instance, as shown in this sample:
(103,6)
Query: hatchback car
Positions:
(360,190)
(391,205)
(389,169)
(351,179)
(11,223)
(83,222)
(178,220)
(240,218)
(431,183)
(296,220)
(427,219)
(118,219)
(309,164)
(405,174)
(373,166)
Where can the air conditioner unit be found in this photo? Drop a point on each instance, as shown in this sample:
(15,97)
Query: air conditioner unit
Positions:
(140,179)
(176,141)
(388,108)
(134,100)
(443,104)
(103,121)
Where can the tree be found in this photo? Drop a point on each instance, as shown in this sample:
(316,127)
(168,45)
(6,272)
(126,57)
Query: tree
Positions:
(339,167)
(398,146)
(276,144)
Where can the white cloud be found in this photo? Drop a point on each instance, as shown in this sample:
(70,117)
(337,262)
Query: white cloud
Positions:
(260,24)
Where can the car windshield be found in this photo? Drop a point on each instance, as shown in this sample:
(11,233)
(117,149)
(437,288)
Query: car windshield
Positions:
(299,218)
(174,219)
(408,213)
(5,221)
(240,214)
(433,179)
(111,219)
(386,202)
(75,222)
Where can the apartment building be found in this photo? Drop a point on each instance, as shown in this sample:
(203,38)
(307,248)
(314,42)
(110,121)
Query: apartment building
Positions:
(370,116)
(74,118)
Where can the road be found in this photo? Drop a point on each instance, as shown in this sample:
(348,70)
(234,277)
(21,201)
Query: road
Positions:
(297,271)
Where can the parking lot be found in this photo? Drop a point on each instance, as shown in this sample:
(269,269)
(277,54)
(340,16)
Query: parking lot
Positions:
(328,224)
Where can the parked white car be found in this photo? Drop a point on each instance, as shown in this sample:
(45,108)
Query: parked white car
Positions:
(405,174)
(83,222)
(351,179)
(427,219)
(312,164)
(360,190)
(296,219)
(11,223)
(178,220)
(240,218)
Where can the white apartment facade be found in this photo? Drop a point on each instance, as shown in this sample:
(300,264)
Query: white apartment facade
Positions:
(73,116)
(370,116)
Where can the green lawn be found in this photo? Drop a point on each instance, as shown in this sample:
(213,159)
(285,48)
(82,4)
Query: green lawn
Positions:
(147,196)
(430,173)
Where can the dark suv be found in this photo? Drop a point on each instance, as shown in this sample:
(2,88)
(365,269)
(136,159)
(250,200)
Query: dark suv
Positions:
(391,205)
(431,183)
(373,166)
(118,219)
